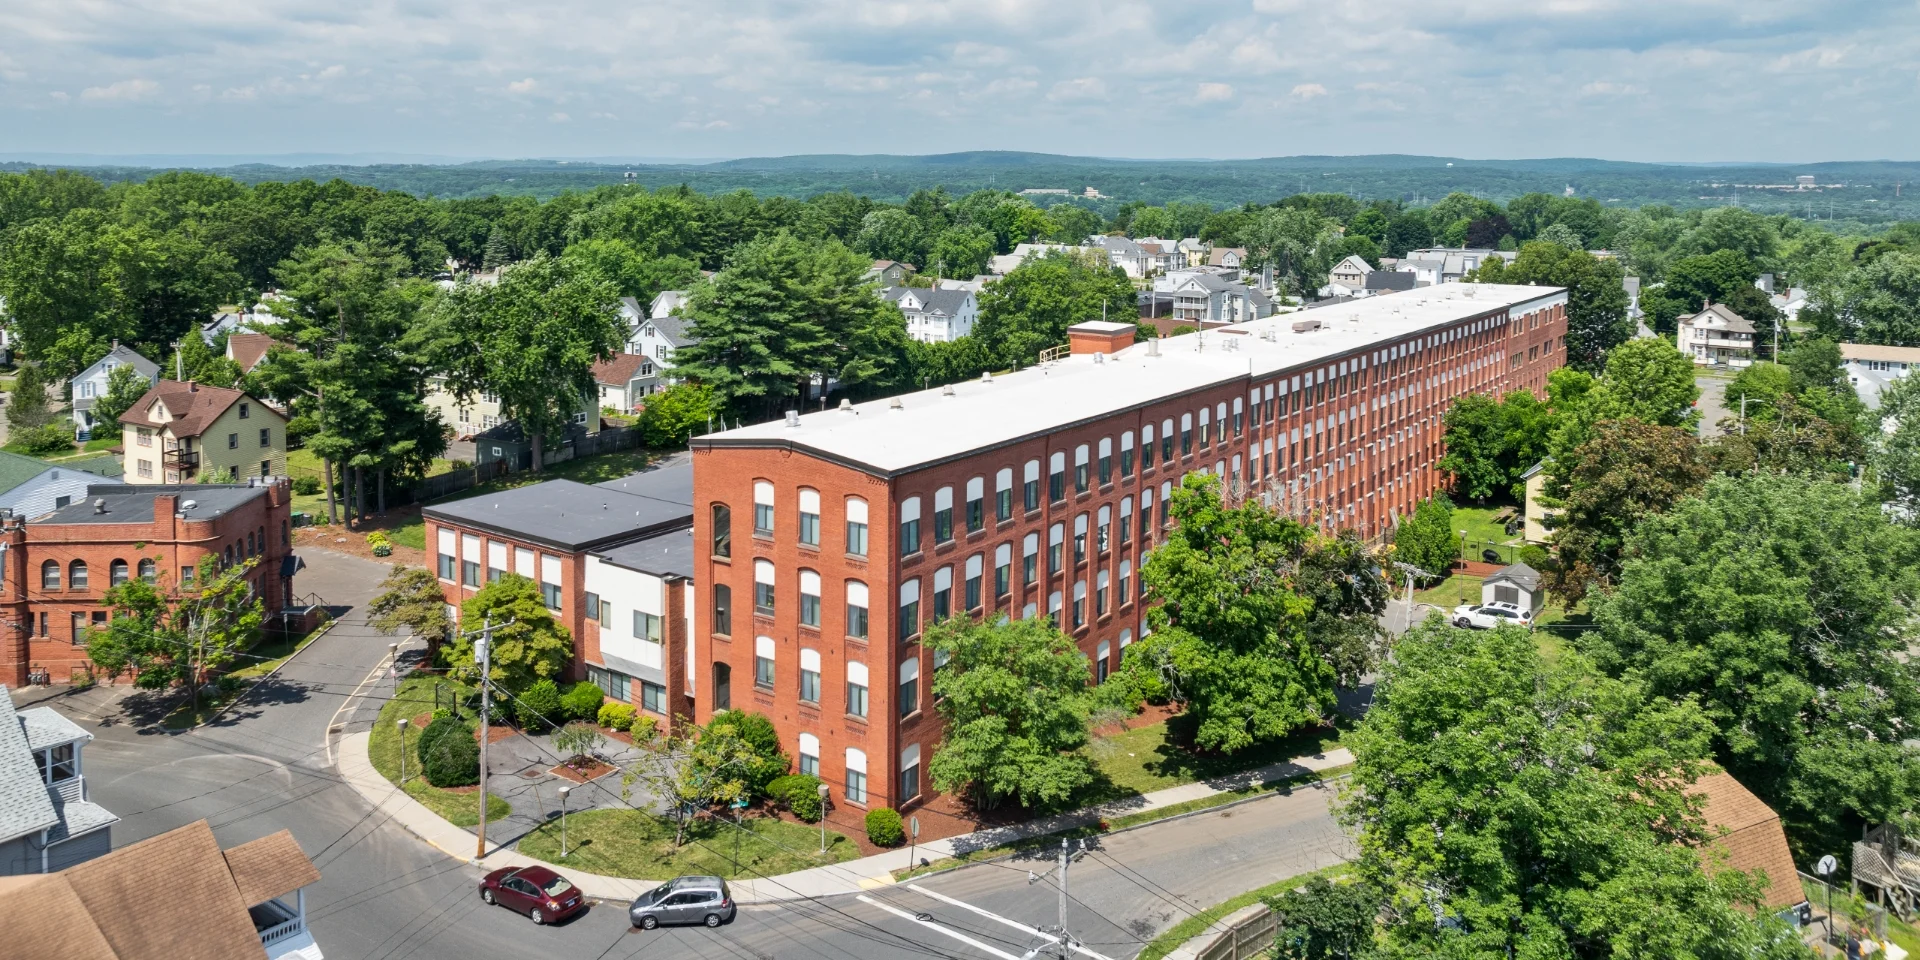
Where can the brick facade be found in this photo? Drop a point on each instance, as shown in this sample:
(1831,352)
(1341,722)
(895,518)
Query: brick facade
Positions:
(1355,439)
(38,625)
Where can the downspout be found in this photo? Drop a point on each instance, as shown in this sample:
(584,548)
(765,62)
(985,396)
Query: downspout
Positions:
(45,850)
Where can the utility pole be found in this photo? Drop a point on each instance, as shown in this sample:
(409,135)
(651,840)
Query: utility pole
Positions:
(1064,860)
(482,652)
(179,367)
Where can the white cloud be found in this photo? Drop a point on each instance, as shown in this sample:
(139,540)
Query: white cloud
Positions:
(1211,92)
(1079,88)
(122,90)
(557,117)
(982,73)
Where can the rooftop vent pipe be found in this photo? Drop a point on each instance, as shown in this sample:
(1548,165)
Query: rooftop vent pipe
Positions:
(793,418)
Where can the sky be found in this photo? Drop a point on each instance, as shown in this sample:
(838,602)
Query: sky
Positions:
(1651,80)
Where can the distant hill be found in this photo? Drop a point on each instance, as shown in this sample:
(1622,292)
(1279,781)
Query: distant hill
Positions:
(1872,190)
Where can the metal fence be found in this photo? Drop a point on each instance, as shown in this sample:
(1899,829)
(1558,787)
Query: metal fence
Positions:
(1819,893)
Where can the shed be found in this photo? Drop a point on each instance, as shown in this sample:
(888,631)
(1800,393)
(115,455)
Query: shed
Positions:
(1518,583)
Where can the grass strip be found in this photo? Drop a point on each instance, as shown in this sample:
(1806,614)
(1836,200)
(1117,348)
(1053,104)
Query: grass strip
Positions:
(1123,822)
(1173,937)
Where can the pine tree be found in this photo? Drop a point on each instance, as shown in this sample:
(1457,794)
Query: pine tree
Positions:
(498,252)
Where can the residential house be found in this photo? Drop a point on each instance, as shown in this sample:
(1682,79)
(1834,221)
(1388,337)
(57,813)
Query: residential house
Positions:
(60,564)
(1193,251)
(30,487)
(181,432)
(934,315)
(1350,275)
(657,334)
(1745,834)
(1872,368)
(1517,584)
(889,273)
(1717,336)
(91,384)
(622,380)
(483,412)
(176,896)
(246,350)
(46,821)
(1163,255)
(1202,298)
(1235,257)
(228,322)
(1436,265)
(614,562)
(1791,303)
(1132,259)
(1005,263)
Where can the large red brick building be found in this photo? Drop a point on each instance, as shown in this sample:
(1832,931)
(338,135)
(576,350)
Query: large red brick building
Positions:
(822,544)
(55,568)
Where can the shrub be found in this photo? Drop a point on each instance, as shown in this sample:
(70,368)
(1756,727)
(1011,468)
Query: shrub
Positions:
(1533,555)
(582,701)
(449,754)
(800,793)
(759,734)
(43,440)
(644,728)
(382,547)
(306,486)
(884,829)
(539,705)
(440,713)
(615,715)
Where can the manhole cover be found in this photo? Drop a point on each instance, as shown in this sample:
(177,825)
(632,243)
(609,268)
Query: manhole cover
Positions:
(534,772)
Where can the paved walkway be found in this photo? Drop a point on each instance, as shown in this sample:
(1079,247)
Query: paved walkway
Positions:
(849,877)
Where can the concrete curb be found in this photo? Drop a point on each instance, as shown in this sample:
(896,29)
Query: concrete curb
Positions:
(325,628)
(850,877)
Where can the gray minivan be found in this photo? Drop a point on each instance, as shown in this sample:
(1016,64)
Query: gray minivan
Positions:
(683,900)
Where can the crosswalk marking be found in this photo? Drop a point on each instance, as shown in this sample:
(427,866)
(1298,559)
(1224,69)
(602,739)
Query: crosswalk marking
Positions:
(1017,925)
(955,934)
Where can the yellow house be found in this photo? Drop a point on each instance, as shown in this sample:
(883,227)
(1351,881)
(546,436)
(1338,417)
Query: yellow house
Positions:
(1537,511)
(181,432)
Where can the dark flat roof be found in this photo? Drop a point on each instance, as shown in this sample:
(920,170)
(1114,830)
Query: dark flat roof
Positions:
(670,482)
(133,503)
(665,555)
(566,514)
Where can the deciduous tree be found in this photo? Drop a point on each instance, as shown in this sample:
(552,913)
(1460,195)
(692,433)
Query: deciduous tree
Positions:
(1012,698)
(528,643)
(1627,471)
(179,635)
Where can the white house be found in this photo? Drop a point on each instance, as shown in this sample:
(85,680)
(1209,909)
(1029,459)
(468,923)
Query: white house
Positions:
(1717,335)
(91,384)
(30,487)
(622,380)
(228,321)
(1203,298)
(46,821)
(1437,265)
(656,332)
(1871,367)
(934,316)
(1518,584)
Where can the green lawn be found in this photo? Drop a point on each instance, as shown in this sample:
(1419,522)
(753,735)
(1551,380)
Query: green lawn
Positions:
(1195,925)
(1155,757)
(629,843)
(595,469)
(462,809)
(276,650)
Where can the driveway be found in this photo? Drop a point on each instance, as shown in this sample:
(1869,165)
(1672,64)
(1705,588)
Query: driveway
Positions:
(1713,401)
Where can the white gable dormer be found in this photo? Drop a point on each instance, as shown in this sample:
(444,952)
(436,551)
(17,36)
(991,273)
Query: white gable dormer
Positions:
(158,413)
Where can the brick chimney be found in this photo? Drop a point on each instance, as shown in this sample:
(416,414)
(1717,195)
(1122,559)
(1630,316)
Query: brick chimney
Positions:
(163,507)
(1099,336)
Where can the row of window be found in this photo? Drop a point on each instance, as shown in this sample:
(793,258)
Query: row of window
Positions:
(77,577)
(541,568)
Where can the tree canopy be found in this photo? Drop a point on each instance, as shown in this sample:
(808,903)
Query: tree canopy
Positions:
(1012,700)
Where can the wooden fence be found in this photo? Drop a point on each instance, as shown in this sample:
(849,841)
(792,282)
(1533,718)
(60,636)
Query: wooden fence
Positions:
(1251,937)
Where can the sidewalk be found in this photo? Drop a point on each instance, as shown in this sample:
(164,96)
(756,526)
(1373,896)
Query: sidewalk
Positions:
(840,878)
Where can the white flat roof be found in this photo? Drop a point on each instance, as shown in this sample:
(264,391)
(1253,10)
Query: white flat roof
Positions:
(931,426)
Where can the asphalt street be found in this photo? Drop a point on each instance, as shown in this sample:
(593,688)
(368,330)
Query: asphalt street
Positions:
(385,895)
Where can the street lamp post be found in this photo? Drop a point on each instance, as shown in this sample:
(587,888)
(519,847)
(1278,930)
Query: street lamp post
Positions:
(393,651)
(402,724)
(1463,566)
(563,820)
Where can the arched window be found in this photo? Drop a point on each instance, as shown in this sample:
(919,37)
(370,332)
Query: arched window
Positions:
(117,572)
(149,571)
(77,575)
(50,575)
(722,530)
(229,555)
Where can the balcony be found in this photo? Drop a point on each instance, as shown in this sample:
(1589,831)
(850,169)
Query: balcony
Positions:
(180,458)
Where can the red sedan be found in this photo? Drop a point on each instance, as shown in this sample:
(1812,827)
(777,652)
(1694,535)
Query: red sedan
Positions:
(541,894)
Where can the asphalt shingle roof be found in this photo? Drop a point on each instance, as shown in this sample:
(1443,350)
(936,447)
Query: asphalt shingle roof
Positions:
(194,406)
(47,728)
(25,806)
(16,469)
